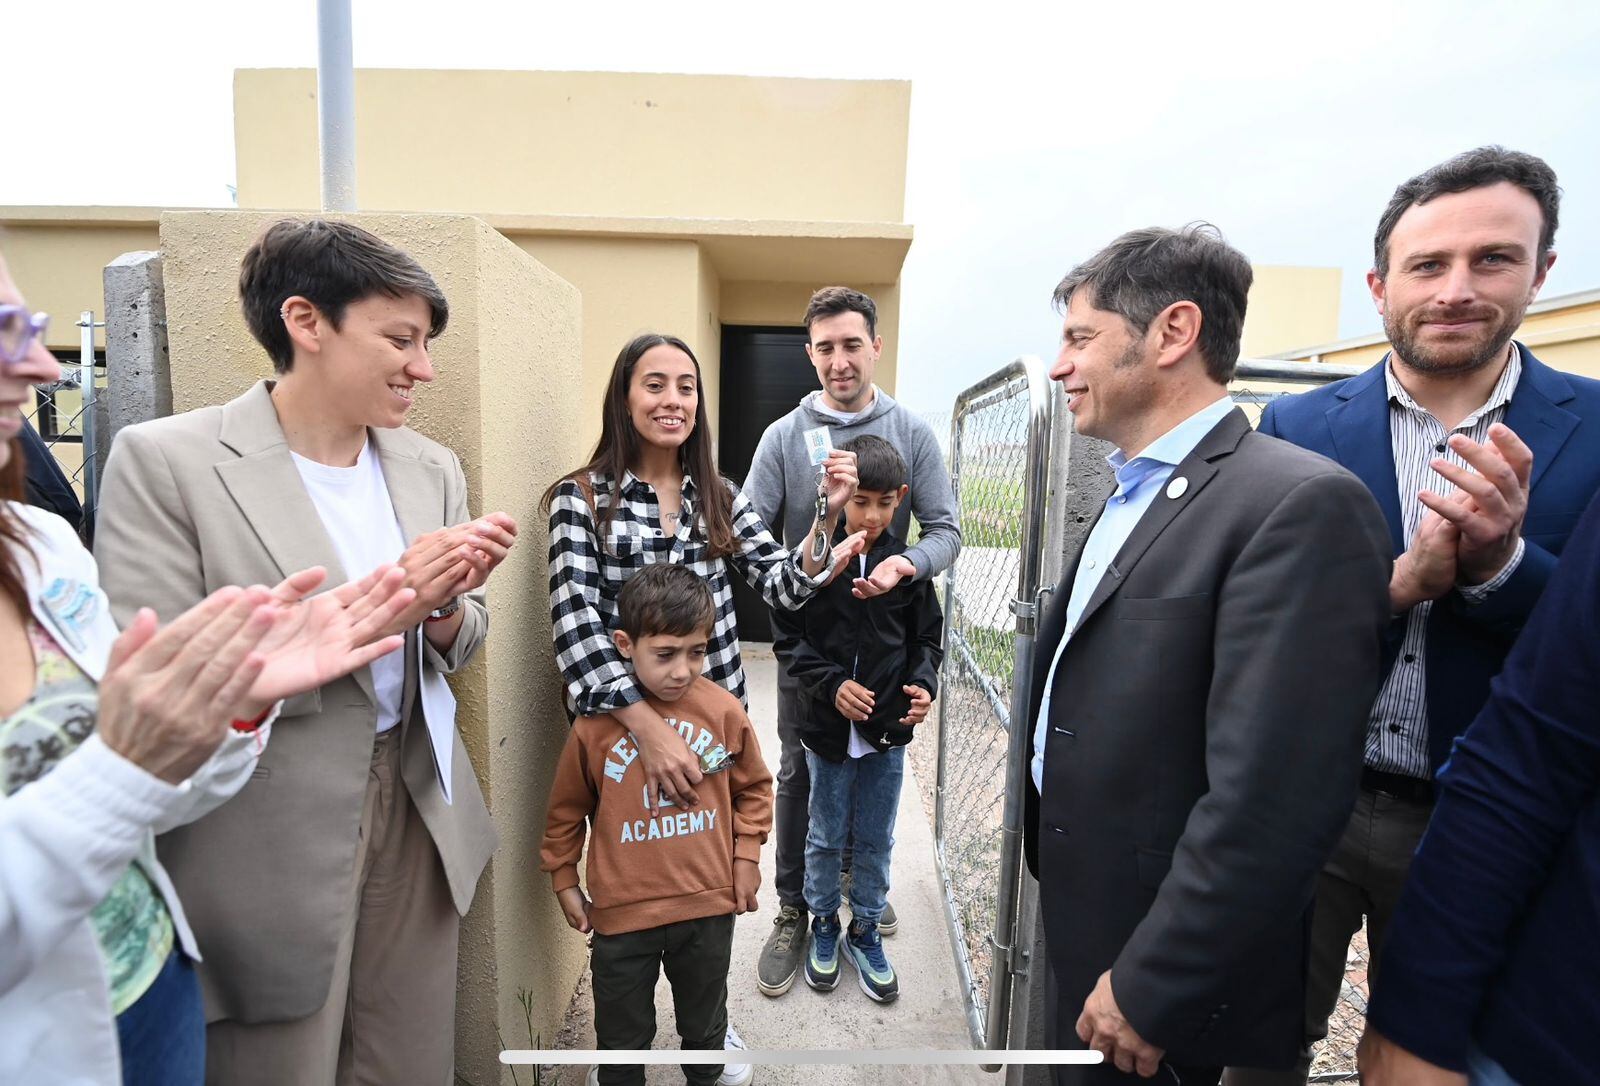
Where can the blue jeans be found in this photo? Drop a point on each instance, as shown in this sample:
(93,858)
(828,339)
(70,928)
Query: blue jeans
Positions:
(1482,1070)
(163,1035)
(863,793)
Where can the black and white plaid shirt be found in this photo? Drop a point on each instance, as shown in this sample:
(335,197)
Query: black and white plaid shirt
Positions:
(1397,731)
(586,573)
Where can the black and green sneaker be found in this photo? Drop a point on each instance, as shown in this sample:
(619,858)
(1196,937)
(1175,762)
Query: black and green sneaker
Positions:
(822,962)
(863,948)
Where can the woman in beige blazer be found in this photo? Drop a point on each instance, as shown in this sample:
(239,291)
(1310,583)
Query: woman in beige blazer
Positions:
(327,895)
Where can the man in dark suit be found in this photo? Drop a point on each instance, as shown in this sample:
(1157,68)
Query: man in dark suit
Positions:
(1461,250)
(1206,666)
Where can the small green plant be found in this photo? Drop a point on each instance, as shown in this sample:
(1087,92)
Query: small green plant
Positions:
(535,1041)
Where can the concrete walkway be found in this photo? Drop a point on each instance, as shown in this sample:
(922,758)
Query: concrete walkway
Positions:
(929,1013)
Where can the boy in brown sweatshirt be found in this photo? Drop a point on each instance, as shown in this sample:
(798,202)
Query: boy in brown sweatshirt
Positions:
(664,886)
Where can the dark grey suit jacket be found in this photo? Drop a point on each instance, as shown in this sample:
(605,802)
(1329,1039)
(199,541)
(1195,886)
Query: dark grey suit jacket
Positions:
(1204,747)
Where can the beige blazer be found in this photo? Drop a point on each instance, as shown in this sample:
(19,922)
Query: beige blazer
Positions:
(210,498)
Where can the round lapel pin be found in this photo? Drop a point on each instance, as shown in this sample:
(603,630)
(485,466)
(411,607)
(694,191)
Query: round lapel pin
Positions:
(1178,487)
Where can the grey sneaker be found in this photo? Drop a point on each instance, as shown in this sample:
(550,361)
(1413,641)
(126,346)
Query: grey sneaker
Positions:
(887,923)
(780,958)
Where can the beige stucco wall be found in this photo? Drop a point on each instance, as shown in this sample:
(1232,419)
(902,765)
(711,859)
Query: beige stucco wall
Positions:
(629,286)
(583,143)
(1288,306)
(506,309)
(58,263)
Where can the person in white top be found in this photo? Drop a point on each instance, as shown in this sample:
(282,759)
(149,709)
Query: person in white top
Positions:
(106,740)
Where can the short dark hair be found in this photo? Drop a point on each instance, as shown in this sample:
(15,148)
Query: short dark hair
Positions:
(878,466)
(663,598)
(1475,169)
(1144,271)
(831,301)
(331,264)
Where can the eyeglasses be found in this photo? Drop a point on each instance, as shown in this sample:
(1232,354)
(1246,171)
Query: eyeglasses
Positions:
(19,327)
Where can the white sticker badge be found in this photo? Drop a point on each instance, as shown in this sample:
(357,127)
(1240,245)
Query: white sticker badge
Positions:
(818,444)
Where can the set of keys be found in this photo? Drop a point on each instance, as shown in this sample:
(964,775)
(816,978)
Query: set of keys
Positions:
(818,444)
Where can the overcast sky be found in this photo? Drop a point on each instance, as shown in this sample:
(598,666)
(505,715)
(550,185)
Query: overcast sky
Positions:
(1038,132)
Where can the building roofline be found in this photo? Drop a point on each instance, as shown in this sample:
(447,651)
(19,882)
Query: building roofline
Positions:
(1543,305)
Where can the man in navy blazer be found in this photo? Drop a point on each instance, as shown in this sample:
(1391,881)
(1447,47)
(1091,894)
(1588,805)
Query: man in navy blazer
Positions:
(1482,459)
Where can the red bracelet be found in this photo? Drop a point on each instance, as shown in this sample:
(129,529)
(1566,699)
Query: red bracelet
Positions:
(248,726)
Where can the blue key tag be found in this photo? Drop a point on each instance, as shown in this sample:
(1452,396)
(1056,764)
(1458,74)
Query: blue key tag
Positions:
(819,443)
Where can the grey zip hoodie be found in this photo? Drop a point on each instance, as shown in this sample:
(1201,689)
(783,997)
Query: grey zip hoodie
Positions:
(782,482)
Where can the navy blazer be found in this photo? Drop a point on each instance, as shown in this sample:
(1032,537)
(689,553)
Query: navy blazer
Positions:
(1496,939)
(1558,416)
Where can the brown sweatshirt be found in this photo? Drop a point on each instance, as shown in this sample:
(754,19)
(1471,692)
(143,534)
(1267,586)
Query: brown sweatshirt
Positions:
(645,872)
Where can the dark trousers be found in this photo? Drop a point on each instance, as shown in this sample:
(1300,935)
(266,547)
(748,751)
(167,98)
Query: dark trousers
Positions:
(792,807)
(1061,1031)
(793,803)
(1363,878)
(695,954)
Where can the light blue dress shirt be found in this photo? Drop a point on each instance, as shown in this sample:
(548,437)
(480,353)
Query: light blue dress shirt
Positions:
(1139,482)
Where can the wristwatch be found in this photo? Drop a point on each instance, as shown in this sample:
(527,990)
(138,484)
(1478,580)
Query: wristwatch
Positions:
(446,611)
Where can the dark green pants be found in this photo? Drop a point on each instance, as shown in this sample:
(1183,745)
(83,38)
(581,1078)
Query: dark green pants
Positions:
(626,967)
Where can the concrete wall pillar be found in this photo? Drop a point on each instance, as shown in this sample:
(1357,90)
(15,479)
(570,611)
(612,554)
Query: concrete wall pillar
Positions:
(138,370)
(507,400)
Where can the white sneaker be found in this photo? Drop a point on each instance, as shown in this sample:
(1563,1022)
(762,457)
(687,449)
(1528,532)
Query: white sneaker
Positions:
(733,1074)
(594,1076)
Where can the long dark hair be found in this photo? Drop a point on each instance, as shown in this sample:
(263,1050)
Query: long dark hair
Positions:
(13,534)
(618,449)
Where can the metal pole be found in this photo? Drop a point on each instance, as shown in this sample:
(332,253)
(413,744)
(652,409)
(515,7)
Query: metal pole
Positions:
(86,426)
(336,105)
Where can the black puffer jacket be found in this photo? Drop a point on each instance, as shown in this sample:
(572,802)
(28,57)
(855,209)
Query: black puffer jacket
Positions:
(884,643)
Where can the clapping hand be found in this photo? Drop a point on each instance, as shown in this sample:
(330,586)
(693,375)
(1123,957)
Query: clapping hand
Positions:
(316,640)
(1490,523)
(168,695)
(445,563)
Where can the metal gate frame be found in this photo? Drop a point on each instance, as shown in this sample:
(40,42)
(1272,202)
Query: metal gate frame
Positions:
(1008,976)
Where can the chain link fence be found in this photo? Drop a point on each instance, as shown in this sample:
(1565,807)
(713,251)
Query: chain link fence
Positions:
(999,438)
(65,415)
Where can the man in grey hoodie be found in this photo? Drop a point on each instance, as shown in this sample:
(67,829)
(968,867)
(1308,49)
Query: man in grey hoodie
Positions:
(842,326)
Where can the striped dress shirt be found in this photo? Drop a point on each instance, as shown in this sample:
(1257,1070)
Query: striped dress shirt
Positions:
(1397,732)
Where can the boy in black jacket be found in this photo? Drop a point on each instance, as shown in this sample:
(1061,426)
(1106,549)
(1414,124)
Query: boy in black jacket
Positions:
(870,668)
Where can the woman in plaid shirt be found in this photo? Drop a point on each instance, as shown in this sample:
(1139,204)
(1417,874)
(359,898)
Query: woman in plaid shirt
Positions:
(652,493)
